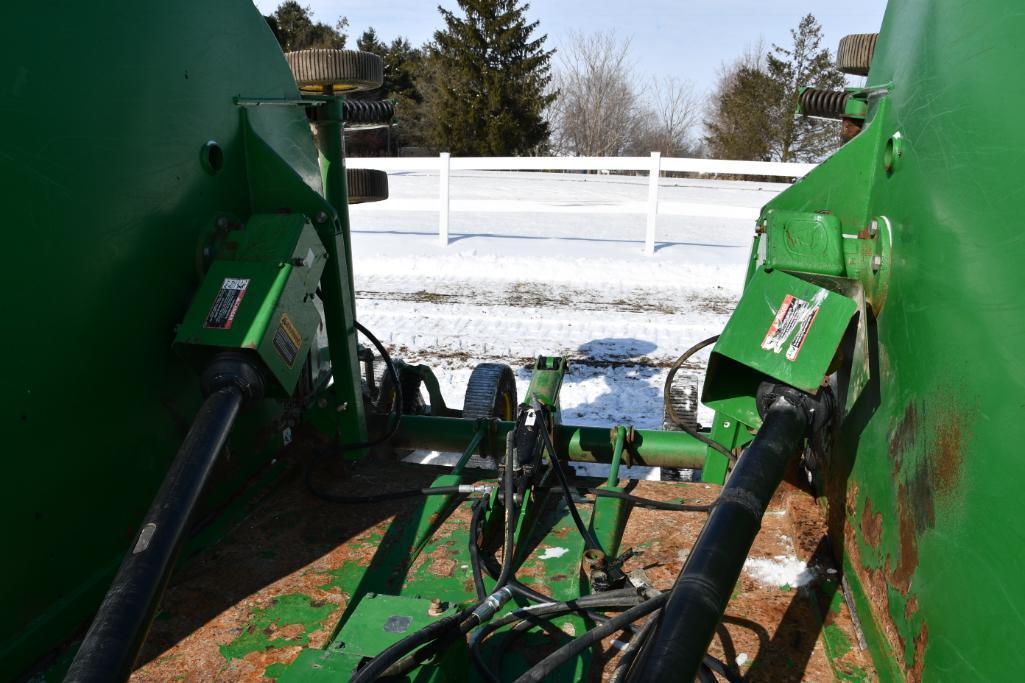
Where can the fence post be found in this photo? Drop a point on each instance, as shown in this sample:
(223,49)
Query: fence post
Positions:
(443,199)
(653,176)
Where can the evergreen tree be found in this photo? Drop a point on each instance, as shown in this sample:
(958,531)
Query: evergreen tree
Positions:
(486,81)
(740,124)
(402,64)
(369,42)
(804,63)
(752,110)
(293,26)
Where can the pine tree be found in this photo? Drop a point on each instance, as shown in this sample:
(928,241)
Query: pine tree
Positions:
(402,63)
(740,124)
(804,63)
(293,26)
(752,112)
(487,79)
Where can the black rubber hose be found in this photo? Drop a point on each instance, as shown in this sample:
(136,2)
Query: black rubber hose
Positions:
(649,503)
(543,669)
(391,655)
(511,511)
(629,654)
(667,400)
(396,403)
(389,433)
(119,629)
(380,497)
(401,657)
(475,562)
(699,597)
(611,600)
(524,625)
(589,541)
(529,593)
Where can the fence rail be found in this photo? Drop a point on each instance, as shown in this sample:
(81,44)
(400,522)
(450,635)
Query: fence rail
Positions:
(654,165)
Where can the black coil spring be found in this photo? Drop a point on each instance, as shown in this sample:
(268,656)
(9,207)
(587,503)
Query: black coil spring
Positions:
(362,112)
(826,104)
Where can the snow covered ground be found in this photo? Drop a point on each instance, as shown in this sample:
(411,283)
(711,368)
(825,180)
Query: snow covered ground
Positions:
(511,286)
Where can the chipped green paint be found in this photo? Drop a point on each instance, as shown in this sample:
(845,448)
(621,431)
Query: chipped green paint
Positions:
(836,641)
(886,668)
(907,621)
(346,574)
(837,645)
(285,610)
(275,670)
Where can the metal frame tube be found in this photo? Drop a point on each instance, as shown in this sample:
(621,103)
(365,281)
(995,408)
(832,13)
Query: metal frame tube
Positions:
(572,442)
(338,288)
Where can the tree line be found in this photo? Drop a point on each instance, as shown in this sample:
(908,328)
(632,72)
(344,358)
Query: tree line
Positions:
(489,84)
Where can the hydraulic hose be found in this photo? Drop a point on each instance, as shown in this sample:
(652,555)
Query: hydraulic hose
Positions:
(119,629)
(476,515)
(402,655)
(695,605)
(589,540)
(393,654)
(648,502)
(543,669)
(396,402)
(667,400)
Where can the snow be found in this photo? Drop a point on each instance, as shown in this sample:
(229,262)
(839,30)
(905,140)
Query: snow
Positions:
(780,570)
(553,553)
(512,286)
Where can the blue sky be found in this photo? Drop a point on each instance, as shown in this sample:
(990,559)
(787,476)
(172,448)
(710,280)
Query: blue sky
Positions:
(688,39)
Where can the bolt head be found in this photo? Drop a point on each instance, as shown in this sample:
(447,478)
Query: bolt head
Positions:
(321,217)
(873,228)
(877,263)
(343,407)
(322,403)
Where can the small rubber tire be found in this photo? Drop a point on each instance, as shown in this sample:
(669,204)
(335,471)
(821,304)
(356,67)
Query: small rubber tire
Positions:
(854,56)
(366,185)
(412,399)
(491,392)
(323,70)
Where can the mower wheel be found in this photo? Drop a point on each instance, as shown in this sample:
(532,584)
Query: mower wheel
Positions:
(322,70)
(412,400)
(366,185)
(854,56)
(491,392)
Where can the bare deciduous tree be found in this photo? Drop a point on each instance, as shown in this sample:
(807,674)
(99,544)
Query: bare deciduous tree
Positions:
(596,110)
(665,123)
(603,109)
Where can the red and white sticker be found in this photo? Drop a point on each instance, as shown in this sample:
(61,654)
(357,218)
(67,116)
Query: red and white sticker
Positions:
(225,307)
(793,321)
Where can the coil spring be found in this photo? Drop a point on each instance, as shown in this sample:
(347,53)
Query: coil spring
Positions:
(368,111)
(826,104)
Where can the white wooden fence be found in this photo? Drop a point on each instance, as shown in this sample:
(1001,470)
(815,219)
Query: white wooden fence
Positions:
(655,165)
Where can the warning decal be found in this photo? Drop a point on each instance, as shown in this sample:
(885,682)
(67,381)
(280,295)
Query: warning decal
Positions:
(794,315)
(226,303)
(287,340)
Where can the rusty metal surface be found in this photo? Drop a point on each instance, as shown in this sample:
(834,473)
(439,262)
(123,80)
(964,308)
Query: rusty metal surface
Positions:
(246,607)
